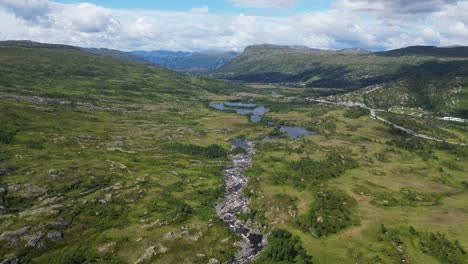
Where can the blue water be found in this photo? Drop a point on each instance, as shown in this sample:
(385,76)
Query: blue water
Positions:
(256,113)
(296,131)
(240,143)
(239,104)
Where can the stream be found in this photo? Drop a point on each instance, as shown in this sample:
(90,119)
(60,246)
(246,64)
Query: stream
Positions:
(235,202)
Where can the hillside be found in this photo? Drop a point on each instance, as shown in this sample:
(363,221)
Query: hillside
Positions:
(427,77)
(96,160)
(205,60)
(107,161)
(125,56)
(427,51)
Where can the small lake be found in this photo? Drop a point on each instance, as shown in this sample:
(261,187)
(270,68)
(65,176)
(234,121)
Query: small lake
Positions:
(292,132)
(297,131)
(256,112)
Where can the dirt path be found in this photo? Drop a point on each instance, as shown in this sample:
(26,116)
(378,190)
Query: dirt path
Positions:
(373,114)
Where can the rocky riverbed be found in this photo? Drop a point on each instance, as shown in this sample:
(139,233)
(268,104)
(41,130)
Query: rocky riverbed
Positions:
(235,202)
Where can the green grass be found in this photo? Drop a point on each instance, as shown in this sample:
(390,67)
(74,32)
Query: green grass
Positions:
(146,172)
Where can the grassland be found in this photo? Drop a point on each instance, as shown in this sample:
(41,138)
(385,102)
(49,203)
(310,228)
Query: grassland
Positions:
(391,186)
(87,153)
(429,82)
(114,162)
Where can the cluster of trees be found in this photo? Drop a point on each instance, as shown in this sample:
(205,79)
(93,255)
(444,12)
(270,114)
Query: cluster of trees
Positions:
(212,151)
(356,112)
(424,148)
(334,165)
(414,144)
(238,150)
(437,245)
(329,213)
(6,137)
(283,247)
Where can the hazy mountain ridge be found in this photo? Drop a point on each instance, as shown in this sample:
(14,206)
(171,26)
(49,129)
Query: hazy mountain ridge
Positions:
(180,60)
(121,55)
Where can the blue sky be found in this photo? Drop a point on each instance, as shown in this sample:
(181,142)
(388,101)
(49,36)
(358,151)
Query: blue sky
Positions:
(217,6)
(193,25)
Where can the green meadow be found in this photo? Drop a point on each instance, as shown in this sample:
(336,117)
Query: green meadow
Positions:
(104,161)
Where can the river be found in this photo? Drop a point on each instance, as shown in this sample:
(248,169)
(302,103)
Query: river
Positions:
(235,202)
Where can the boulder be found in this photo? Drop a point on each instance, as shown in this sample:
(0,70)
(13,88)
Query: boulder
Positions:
(55,236)
(34,240)
(27,190)
(61,222)
(13,237)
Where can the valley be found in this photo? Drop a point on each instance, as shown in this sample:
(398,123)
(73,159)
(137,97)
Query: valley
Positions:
(111,161)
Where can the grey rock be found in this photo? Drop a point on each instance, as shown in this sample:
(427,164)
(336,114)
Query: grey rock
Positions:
(61,222)
(52,172)
(7,171)
(55,236)
(13,237)
(27,190)
(34,240)
(10,261)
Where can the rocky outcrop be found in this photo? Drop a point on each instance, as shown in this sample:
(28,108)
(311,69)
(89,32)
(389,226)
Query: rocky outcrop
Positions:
(55,236)
(13,237)
(27,190)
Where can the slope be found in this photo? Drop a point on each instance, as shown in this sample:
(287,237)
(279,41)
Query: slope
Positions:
(121,55)
(100,159)
(427,77)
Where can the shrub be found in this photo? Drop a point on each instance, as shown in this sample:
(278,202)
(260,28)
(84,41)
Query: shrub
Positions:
(356,112)
(6,137)
(330,213)
(437,245)
(283,247)
(212,151)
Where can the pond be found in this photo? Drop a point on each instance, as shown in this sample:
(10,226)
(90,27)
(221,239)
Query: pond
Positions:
(292,132)
(240,143)
(256,112)
(297,131)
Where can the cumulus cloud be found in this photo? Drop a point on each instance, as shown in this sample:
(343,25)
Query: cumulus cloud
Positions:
(394,6)
(263,3)
(83,17)
(30,10)
(343,26)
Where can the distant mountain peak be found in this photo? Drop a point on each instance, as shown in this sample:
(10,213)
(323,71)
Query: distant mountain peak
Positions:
(355,50)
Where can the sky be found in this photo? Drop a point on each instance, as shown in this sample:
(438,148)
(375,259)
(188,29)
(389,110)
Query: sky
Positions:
(195,25)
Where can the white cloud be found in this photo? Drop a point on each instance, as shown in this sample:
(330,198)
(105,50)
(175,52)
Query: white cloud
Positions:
(31,10)
(203,10)
(197,29)
(263,3)
(394,6)
(83,17)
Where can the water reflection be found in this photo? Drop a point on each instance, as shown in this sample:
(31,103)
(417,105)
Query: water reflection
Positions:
(255,111)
